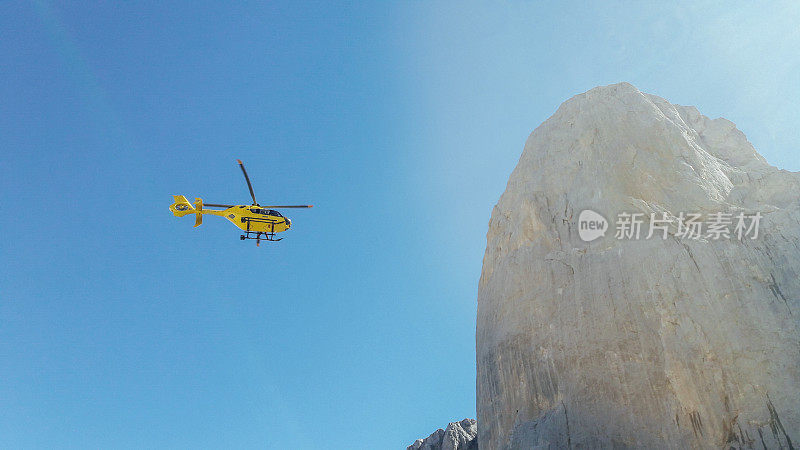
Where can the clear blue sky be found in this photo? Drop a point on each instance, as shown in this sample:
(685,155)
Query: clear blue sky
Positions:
(121,326)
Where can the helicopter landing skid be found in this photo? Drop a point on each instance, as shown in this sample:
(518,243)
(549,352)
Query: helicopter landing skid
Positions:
(260,236)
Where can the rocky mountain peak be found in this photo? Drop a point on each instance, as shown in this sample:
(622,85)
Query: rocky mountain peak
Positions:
(461,435)
(679,340)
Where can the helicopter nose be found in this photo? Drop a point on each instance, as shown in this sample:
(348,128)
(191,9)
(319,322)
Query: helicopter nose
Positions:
(288,222)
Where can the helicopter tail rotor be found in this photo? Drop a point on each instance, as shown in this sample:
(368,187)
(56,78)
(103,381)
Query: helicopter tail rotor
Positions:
(181,207)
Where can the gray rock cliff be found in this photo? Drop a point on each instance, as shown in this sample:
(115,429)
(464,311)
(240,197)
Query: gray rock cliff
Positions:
(679,340)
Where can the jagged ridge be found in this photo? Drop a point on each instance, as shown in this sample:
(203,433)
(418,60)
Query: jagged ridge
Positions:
(457,436)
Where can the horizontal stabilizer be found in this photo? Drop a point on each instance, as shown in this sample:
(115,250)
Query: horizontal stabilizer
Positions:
(198,205)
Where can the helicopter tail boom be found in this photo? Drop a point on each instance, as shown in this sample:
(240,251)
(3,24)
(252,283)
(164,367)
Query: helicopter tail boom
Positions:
(182,207)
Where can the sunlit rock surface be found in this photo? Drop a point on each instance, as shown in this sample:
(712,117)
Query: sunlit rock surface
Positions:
(457,436)
(658,343)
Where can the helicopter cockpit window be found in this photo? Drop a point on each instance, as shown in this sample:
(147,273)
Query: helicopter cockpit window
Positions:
(266,212)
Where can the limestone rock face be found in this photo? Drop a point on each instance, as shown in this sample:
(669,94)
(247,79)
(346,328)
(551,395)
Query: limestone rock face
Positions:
(666,342)
(457,436)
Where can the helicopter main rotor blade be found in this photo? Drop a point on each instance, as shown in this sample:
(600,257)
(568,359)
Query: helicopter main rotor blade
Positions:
(249,186)
(288,206)
(218,206)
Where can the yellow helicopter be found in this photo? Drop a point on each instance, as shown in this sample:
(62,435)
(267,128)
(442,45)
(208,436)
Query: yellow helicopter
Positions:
(255,220)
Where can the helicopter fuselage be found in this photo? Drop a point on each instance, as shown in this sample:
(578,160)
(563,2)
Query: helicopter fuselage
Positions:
(250,218)
(254,218)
